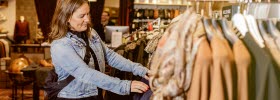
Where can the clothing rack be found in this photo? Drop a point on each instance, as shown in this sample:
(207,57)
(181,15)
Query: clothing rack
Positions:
(144,26)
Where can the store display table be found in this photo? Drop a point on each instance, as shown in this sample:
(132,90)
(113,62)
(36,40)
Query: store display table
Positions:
(38,74)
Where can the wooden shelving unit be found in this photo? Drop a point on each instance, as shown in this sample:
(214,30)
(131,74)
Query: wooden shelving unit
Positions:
(159,6)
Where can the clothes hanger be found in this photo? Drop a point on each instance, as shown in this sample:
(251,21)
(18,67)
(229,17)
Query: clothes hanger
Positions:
(240,23)
(208,28)
(210,31)
(247,23)
(228,31)
(217,28)
(262,26)
(254,31)
(271,28)
(278,24)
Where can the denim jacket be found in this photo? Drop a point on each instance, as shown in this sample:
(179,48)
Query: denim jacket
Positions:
(67,55)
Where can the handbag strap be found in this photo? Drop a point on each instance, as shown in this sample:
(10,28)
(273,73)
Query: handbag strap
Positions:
(89,52)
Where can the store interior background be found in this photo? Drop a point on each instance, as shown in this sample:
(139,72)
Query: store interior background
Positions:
(119,10)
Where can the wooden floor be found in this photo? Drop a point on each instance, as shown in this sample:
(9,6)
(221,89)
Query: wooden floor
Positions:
(6,89)
(6,94)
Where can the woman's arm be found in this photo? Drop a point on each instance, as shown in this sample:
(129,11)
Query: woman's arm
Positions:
(65,57)
(117,61)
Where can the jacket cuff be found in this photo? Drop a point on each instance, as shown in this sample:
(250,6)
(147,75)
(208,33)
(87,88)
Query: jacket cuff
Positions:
(142,71)
(127,85)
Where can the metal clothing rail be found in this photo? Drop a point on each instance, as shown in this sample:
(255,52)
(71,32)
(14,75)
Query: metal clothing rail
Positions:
(143,27)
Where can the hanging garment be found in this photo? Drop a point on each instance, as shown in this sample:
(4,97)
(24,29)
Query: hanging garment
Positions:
(201,78)
(129,48)
(142,56)
(142,14)
(176,13)
(135,13)
(277,40)
(21,32)
(272,47)
(146,14)
(266,73)
(222,76)
(174,58)
(243,65)
(2,50)
(7,47)
(152,44)
(156,13)
(172,14)
(151,47)
(161,13)
(151,13)
(166,13)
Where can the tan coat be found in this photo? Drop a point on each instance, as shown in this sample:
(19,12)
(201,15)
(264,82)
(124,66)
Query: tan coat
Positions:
(200,86)
(243,61)
(222,76)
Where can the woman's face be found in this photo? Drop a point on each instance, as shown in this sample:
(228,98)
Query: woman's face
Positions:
(80,19)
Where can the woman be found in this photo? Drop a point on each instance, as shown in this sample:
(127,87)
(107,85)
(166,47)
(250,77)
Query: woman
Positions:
(69,31)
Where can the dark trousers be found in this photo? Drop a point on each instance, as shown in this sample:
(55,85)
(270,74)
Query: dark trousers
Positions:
(20,39)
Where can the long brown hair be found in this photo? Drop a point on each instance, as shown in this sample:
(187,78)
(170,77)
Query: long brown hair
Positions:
(63,11)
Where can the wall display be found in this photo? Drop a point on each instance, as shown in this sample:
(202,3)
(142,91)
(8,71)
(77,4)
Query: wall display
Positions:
(179,2)
(147,11)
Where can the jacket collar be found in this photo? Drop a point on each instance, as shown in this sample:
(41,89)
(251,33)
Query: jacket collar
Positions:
(75,39)
(95,38)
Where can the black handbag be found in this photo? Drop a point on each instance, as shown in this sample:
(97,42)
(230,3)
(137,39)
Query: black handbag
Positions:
(52,87)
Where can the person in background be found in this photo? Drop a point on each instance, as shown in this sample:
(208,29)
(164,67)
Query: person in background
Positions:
(71,37)
(105,19)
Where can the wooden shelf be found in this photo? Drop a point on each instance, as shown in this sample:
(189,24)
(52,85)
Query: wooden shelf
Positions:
(150,20)
(160,4)
(28,45)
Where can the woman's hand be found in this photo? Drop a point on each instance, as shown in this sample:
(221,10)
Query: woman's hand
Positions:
(147,76)
(138,87)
